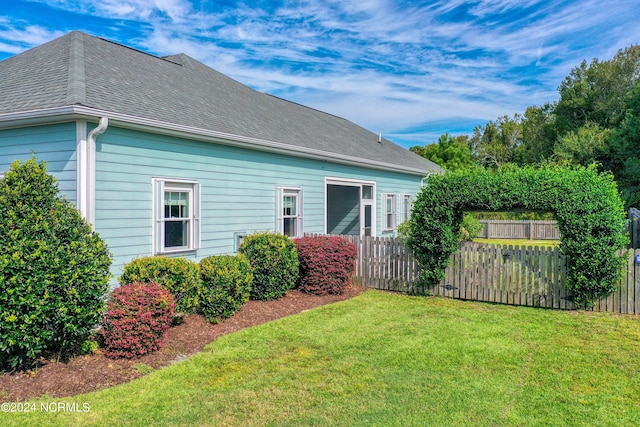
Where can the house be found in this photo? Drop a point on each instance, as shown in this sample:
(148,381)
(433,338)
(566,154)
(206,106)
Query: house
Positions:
(168,156)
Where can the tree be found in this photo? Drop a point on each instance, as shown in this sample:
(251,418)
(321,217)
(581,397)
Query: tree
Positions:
(625,154)
(495,143)
(450,153)
(538,135)
(589,144)
(595,92)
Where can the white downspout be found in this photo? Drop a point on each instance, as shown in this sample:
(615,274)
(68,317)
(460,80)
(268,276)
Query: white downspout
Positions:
(86,174)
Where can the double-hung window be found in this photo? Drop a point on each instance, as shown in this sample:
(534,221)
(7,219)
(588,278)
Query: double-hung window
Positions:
(389,211)
(177,215)
(289,212)
(406,206)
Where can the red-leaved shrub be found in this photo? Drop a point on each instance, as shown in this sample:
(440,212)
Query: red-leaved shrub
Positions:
(326,264)
(137,319)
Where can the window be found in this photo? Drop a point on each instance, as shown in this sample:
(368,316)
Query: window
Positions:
(407,205)
(367,207)
(389,211)
(177,215)
(289,212)
(350,207)
(367,192)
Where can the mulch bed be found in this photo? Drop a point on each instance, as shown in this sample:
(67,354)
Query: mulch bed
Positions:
(84,374)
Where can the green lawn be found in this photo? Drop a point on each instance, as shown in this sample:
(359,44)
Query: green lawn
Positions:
(390,360)
(519,242)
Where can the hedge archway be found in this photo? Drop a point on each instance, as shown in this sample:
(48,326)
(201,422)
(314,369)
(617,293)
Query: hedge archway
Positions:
(586,204)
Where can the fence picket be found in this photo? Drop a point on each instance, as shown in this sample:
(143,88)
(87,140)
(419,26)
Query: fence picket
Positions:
(519,275)
(636,281)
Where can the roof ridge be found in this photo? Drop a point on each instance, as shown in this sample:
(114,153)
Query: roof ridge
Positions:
(76,83)
(133,49)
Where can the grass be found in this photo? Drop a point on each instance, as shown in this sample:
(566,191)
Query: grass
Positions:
(389,360)
(143,368)
(519,242)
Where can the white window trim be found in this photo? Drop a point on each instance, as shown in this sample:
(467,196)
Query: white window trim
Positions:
(401,210)
(385,213)
(281,191)
(160,185)
(354,183)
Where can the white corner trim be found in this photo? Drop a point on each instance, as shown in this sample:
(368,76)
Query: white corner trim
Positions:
(86,167)
(82,182)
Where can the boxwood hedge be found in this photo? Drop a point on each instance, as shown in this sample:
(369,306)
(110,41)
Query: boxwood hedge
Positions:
(586,204)
(274,263)
(179,276)
(226,285)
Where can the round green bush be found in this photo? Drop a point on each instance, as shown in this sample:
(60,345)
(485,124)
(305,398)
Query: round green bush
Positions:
(226,285)
(274,261)
(586,204)
(54,270)
(177,275)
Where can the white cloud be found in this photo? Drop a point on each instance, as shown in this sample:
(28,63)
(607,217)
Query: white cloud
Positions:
(175,10)
(384,64)
(16,36)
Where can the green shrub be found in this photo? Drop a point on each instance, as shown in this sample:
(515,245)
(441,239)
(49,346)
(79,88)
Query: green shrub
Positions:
(177,275)
(226,285)
(89,347)
(587,205)
(54,270)
(274,261)
(470,227)
(138,317)
(403,230)
(326,264)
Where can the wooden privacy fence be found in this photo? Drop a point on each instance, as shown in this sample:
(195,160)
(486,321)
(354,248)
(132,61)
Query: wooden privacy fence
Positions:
(504,229)
(546,230)
(633,227)
(530,276)
(385,263)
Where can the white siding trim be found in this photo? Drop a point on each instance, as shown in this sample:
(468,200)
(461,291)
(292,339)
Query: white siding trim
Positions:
(82,180)
(75,112)
(86,168)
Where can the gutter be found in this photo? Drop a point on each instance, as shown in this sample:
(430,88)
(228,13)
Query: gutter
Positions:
(79,112)
(86,168)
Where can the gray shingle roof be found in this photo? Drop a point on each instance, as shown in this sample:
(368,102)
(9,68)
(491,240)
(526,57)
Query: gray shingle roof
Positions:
(79,69)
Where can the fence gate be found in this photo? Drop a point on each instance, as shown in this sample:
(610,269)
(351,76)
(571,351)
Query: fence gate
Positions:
(385,263)
(532,276)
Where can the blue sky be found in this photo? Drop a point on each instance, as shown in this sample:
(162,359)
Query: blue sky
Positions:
(411,70)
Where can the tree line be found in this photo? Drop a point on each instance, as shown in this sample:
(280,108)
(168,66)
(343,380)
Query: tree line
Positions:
(595,120)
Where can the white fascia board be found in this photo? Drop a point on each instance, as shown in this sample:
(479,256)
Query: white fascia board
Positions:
(75,112)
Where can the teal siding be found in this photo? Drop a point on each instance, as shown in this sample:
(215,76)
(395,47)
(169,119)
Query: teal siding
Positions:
(238,189)
(55,144)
